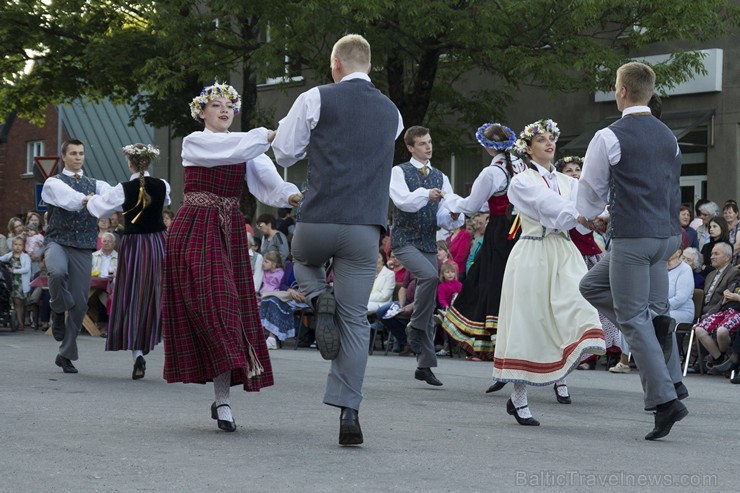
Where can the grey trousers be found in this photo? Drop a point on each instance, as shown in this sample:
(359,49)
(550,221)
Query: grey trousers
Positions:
(623,286)
(354,249)
(70,270)
(424,268)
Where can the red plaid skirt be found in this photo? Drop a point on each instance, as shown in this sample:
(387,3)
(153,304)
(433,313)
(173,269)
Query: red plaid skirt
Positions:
(210,319)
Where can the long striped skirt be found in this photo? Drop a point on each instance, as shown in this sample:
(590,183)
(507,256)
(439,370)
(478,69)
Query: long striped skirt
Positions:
(136,309)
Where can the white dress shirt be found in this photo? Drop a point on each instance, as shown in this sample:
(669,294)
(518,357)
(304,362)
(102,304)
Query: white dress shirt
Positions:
(294,131)
(603,151)
(413,200)
(492,180)
(546,204)
(209,149)
(112,200)
(59,194)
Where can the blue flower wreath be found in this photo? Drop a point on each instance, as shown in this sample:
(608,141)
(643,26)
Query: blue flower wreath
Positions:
(499,146)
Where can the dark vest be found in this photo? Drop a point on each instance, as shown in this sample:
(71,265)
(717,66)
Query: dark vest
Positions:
(419,228)
(150,220)
(73,229)
(644,182)
(350,156)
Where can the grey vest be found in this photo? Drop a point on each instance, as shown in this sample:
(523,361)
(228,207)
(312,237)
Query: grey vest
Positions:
(644,181)
(418,228)
(350,156)
(73,229)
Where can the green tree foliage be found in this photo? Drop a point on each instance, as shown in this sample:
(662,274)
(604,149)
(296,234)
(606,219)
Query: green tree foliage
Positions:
(158,53)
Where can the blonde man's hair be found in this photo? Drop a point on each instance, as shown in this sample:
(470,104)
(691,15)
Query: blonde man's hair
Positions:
(638,79)
(353,50)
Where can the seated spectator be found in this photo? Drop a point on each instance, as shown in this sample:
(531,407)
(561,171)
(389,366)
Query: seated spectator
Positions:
(481,222)
(459,242)
(383,286)
(277,309)
(286,223)
(272,239)
(730,213)
(398,314)
(20,265)
(256,261)
(167,217)
(15,228)
(103,227)
(680,289)
(695,260)
(273,273)
(717,232)
(686,215)
(443,255)
(33,217)
(398,269)
(105,260)
(705,212)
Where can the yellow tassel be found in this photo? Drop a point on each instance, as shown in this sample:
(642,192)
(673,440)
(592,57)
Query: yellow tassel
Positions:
(139,201)
(514,227)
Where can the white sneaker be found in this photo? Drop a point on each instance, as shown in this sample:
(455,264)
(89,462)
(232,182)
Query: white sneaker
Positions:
(620,368)
(271,343)
(443,352)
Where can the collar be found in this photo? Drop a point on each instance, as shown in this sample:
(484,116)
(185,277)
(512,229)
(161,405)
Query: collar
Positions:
(67,172)
(356,75)
(635,109)
(208,131)
(544,172)
(419,164)
(136,175)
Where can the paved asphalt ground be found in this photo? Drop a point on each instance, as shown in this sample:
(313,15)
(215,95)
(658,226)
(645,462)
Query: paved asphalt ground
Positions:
(101,431)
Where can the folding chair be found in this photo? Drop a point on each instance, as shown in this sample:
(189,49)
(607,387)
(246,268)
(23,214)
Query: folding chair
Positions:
(688,328)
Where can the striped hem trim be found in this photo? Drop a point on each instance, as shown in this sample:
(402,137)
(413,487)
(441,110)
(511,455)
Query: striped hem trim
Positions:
(454,320)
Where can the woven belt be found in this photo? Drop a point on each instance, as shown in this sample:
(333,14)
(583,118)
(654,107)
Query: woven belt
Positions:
(224,205)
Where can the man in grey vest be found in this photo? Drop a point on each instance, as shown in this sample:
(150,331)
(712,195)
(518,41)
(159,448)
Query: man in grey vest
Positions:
(417,191)
(634,164)
(349,129)
(70,239)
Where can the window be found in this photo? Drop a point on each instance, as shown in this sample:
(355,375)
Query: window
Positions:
(34,148)
(290,71)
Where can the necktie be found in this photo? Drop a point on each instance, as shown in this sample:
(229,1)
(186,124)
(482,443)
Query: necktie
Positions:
(424,171)
(77,176)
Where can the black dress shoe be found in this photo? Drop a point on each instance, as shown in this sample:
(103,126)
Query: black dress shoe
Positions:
(327,332)
(495,387)
(222,423)
(139,368)
(350,432)
(522,421)
(666,418)
(561,399)
(58,326)
(65,364)
(664,327)
(426,375)
(681,392)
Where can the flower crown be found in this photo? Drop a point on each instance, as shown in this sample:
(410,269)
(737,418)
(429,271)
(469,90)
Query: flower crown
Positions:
(210,93)
(538,127)
(560,163)
(499,146)
(141,150)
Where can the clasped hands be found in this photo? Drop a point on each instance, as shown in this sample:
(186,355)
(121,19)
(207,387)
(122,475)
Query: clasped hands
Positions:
(598,224)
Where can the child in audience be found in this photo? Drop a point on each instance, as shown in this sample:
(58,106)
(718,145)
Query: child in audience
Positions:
(34,247)
(20,264)
(272,265)
(449,286)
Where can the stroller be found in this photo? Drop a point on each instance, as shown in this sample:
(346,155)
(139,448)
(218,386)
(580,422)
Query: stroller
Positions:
(6,282)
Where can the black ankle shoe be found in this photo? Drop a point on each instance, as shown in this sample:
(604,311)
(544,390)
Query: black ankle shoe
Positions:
(561,399)
(522,421)
(350,432)
(139,368)
(495,387)
(222,423)
(674,412)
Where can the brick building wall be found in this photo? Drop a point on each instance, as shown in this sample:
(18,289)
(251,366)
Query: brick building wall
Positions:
(17,191)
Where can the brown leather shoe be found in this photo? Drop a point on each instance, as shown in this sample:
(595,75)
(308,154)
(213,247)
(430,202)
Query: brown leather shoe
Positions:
(406,350)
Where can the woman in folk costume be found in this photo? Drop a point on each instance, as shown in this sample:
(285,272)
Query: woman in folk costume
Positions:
(544,322)
(211,323)
(135,311)
(473,316)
